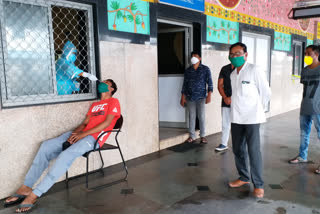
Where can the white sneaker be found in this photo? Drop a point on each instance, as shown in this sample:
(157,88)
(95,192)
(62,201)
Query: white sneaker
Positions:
(221,147)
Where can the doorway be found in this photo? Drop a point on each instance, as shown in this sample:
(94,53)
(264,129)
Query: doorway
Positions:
(174,48)
(257,43)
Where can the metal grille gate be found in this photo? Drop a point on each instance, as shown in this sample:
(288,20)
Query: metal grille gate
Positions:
(45,48)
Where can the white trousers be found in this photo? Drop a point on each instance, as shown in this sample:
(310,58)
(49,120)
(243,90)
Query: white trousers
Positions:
(226,125)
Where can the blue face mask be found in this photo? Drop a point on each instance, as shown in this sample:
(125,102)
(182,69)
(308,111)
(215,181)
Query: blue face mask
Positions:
(103,87)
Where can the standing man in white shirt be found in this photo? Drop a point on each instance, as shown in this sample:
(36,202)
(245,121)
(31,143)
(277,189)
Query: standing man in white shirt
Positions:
(250,92)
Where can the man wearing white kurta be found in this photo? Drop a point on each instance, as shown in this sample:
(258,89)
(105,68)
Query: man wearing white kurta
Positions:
(250,93)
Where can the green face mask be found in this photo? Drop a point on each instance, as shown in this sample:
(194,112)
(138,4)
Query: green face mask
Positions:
(237,61)
(103,87)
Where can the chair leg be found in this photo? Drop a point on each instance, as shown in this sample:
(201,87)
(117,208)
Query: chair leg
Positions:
(67,179)
(87,173)
(123,162)
(101,168)
(124,165)
(113,182)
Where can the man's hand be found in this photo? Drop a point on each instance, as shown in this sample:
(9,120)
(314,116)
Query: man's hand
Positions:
(75,137)
(183,100)
(208,98)
(227,100)
(89,76)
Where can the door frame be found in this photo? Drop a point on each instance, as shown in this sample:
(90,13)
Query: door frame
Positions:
(188,29)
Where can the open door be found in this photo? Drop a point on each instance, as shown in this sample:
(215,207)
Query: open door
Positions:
(174,48)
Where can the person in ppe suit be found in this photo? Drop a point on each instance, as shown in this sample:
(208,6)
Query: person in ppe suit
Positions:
(68,72)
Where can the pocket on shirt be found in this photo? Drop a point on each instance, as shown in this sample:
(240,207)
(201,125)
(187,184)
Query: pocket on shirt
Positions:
(247,90)
(249,94)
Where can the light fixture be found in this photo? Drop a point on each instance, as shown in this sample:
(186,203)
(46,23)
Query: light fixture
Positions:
(305,9)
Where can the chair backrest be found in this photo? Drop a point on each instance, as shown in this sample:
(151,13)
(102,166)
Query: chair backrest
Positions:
(119,123)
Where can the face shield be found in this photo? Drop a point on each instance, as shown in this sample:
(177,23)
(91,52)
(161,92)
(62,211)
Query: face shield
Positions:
(69,52)
(71,57)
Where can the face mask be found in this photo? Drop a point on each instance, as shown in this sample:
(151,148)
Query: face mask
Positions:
(194,60)
(308,60)
(103,87)
(237,61)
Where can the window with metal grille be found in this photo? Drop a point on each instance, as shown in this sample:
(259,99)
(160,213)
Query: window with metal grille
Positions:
(47,52)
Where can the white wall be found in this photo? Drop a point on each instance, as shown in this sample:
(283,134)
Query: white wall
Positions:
(215,60)
(286,90)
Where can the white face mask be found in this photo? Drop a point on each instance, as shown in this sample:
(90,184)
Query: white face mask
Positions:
(194,60)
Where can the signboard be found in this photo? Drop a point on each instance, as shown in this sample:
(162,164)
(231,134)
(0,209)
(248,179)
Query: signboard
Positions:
(188,4)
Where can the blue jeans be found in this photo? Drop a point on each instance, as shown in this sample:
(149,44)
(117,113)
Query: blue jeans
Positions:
(195,109)
(305,129)
(52,149)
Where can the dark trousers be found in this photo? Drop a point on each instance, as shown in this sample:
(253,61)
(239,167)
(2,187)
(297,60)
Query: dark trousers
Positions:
(243,136)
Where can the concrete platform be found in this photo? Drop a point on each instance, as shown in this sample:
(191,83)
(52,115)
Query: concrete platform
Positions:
(193,179)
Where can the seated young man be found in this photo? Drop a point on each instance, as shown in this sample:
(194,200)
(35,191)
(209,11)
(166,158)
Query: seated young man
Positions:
(102,116)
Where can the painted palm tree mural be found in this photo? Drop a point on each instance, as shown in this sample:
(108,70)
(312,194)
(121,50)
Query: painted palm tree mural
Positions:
(282,41)
(222,31)
(309,42)
(129,16)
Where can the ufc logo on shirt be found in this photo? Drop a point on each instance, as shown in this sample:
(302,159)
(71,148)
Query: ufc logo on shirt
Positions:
(98,107)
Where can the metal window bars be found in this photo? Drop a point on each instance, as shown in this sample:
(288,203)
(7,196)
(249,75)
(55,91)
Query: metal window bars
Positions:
(45,46)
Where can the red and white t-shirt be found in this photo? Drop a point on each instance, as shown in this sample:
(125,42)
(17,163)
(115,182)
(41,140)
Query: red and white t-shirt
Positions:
(98,113)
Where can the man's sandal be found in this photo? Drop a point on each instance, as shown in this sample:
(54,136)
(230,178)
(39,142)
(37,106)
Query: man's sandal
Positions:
(317,171)
(30,206)
(297,160)
(203,140)
(19,199)
(190,140)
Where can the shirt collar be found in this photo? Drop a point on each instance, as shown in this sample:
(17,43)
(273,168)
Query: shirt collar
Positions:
(200,66)
(243,68)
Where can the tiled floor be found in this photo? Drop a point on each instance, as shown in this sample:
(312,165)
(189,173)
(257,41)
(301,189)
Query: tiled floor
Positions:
(193,179)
